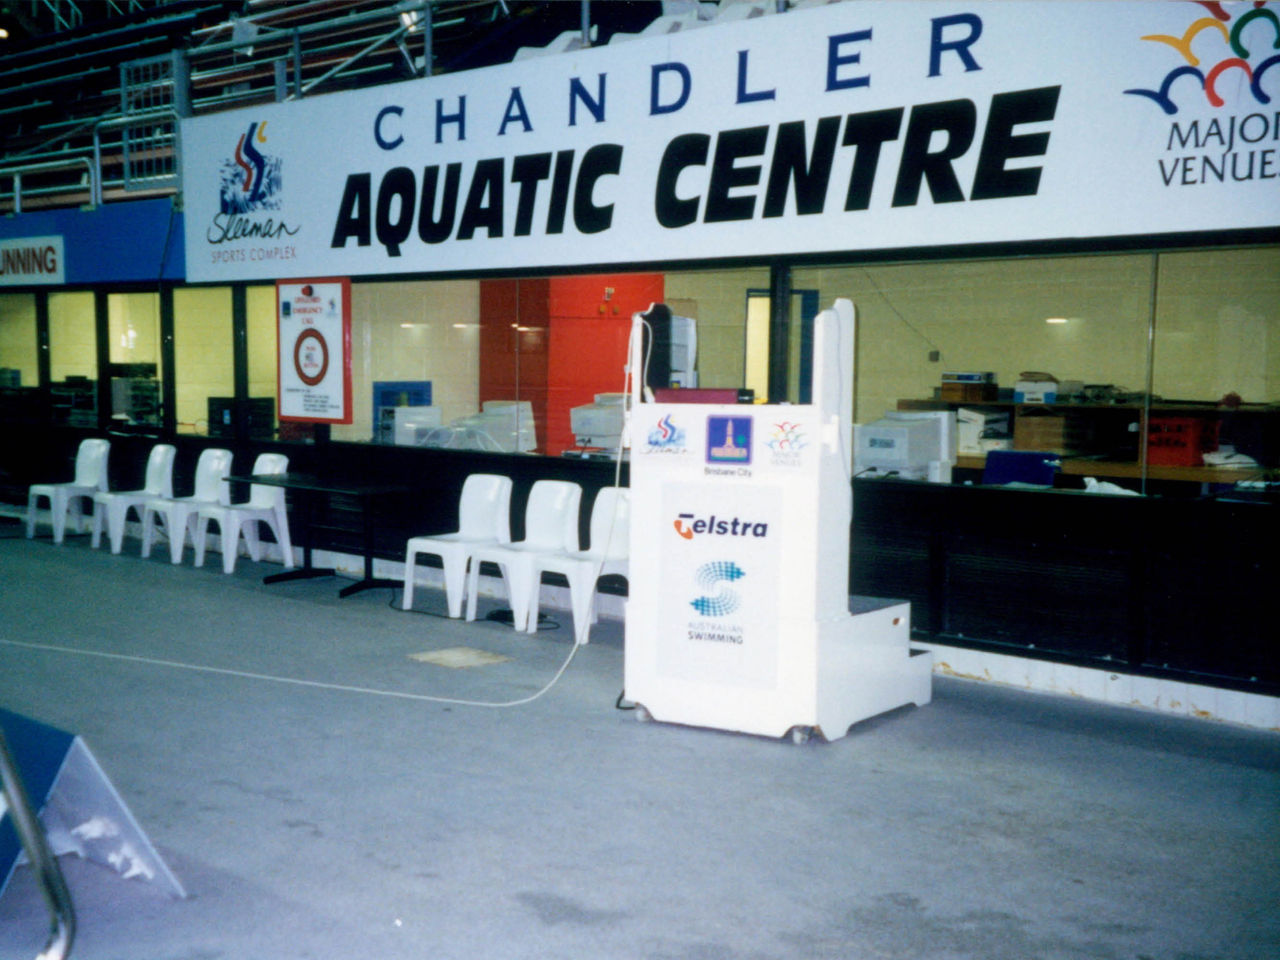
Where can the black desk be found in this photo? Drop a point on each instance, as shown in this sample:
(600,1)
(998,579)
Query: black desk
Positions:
(309,492)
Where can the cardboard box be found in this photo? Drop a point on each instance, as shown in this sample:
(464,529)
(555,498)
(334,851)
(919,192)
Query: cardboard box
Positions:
(974,426)
(956,392)
(1055,430)
(1035,391)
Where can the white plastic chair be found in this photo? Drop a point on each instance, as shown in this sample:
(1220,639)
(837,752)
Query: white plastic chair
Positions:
(64,498)
(484,519)
(550,524)
(179,513)
(608,553)
(266,505)
(113,508)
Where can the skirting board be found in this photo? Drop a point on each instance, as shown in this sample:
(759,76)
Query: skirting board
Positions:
(1105,686)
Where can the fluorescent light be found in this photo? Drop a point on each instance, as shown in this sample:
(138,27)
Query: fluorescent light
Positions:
(1055,320)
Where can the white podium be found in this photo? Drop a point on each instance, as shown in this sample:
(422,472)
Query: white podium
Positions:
(738,615)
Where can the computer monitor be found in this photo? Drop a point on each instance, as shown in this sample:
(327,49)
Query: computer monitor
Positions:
(913,445)
(599,425)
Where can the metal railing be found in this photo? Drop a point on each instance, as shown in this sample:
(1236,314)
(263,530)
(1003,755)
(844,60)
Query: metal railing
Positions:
(149,157)
(15,173)
(53,886)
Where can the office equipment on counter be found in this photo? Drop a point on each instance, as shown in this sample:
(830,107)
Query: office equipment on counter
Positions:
(599,425)
(412,425)
(389,396)
(501,426)
(911,445)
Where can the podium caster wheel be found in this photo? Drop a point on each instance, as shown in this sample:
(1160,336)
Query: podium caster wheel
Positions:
(801,734)
(642,715)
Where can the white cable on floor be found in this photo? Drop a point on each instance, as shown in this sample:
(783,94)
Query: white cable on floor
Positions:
(246,675)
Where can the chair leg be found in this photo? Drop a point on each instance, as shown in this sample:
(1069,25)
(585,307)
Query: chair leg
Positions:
(519,588)
(582,594)
(230,530)
(455,581)
(179,525)
(251,539)
(117,516)
(198,538)
(148,530)
(31,514)
(99,511)
(406,599)
(58,506)
(473,588)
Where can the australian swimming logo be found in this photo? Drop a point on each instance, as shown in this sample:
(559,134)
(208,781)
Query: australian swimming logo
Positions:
(716,599)
(250,184)
(666,437)
(1214,54)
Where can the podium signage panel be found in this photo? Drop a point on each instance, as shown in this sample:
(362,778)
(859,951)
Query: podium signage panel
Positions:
(738,614)
(720,576)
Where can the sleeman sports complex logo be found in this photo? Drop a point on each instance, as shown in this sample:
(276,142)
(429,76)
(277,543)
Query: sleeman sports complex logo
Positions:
(667,436)
(1212,46)
(250,178)
(717,600)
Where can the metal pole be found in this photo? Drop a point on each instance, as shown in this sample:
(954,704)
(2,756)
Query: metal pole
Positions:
(1144,428)
(586,23)
(53,885)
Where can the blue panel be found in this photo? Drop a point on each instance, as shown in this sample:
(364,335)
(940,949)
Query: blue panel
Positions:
(116,242)
(38,751)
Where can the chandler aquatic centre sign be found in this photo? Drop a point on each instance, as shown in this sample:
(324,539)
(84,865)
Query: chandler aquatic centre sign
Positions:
(845,128)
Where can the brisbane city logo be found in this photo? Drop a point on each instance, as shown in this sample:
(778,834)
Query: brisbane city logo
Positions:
(250,184)
(1210,52)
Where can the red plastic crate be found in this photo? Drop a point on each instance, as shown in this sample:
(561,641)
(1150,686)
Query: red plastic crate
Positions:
(1180,441)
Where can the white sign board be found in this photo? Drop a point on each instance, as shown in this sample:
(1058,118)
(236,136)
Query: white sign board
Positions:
(845,128)
(28,261)
(314,318)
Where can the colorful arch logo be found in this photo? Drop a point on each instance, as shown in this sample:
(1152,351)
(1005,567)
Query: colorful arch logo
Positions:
(1243,40)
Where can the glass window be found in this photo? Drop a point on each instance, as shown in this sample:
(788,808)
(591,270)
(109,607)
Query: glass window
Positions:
(204,376)
(73,359)
(133,326)
(1216,375)
(931,336)
(722,304)
(405,336)
(18,345)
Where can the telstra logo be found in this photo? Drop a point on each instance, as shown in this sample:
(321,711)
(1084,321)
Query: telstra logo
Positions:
(689,526)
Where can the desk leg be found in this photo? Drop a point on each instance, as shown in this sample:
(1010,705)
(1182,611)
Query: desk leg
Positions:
(369,582)
(306,572)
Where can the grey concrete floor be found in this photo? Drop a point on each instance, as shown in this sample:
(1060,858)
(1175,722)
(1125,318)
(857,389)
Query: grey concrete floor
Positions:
(346,819)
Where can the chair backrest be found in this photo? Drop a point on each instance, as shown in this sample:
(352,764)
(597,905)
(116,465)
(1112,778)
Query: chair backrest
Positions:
(551,515)
(159,482)
(611,523)
(272,464)
(213,465)
(484,509)
(91,463)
